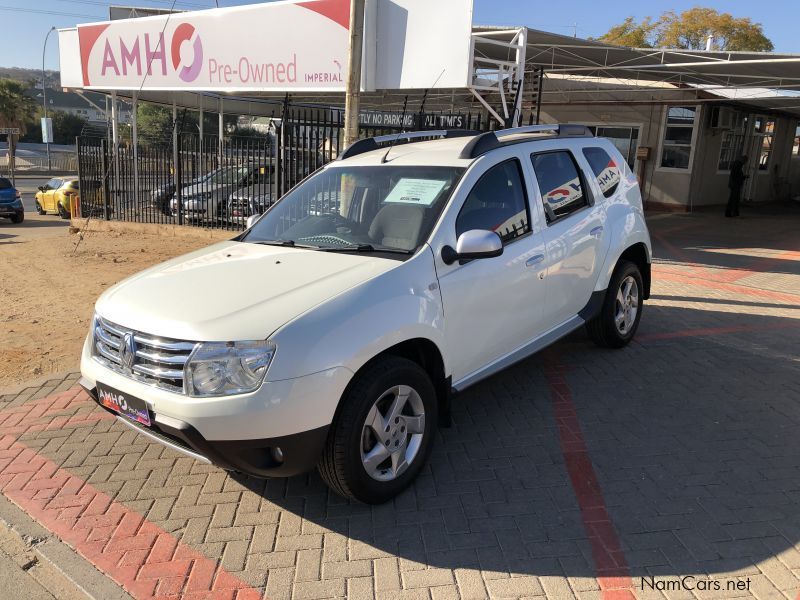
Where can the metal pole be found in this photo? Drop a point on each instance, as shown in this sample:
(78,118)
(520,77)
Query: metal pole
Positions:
(352,97)
(135,142)
(221,128)
(44,92)
(115,142)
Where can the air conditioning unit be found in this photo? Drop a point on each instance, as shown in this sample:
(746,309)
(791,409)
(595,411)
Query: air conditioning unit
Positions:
(723,117)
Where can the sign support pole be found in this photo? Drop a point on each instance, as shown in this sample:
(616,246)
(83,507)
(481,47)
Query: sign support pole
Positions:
(352,97)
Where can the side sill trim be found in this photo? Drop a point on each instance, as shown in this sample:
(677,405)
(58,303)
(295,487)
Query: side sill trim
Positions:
(519,354)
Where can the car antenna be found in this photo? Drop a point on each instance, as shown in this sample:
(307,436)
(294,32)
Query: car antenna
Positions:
(397,137)
(405,104)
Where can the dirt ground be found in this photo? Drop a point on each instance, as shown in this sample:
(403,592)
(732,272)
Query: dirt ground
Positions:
(48,288)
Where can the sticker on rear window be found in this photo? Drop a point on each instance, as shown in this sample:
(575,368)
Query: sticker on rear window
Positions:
(415,191)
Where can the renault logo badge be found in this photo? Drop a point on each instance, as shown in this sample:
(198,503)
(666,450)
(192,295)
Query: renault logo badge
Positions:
(127,352)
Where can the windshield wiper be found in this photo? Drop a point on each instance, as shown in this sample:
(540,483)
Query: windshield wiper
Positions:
(366,248)
(289,243)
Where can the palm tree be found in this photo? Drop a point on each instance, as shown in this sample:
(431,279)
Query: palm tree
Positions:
(15,107)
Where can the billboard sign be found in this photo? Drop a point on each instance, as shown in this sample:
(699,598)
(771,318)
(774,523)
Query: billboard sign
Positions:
(248,48)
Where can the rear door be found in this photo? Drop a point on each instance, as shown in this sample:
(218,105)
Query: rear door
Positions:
(575,235)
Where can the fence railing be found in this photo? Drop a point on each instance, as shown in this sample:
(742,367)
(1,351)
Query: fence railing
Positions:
(205,181)
(61,162)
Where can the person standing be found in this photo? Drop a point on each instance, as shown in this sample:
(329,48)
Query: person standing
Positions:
(735,184)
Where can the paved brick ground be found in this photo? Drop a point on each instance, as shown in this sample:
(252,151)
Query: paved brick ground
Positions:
(578,473)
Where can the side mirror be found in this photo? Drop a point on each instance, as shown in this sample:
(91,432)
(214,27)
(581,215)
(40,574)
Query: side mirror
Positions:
(476,243)
(251,220)
(42,188)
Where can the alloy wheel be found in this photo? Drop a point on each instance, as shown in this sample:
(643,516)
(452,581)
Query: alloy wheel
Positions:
(392,433)
(627,305)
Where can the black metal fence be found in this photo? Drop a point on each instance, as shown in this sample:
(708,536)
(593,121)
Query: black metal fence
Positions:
(198,180)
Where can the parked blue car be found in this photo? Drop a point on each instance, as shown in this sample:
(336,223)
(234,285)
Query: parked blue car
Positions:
(10,202)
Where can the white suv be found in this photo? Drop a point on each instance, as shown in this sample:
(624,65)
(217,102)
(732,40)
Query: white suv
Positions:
(333,331)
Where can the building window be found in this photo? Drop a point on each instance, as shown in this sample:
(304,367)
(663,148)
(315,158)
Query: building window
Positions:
(626,139)
(676,150)
(731,149)
(559,183)
(796,147)
(765,132)
(497,203)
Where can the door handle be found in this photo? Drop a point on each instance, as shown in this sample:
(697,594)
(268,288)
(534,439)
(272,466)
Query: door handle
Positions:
(597,231)
(534,260)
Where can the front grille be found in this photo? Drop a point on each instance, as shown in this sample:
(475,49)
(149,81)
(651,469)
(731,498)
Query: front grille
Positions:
(153,360)
(240,207)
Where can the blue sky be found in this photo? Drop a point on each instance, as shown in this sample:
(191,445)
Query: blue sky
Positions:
(24,32)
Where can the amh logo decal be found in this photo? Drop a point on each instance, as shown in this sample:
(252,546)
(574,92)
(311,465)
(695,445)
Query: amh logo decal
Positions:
(183,33)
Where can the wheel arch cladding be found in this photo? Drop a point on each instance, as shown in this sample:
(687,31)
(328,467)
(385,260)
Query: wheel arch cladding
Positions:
(427,355)
(637,254)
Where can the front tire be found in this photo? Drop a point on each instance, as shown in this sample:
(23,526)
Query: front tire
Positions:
(39,209)
(619,317)
(383,433)
(17,219)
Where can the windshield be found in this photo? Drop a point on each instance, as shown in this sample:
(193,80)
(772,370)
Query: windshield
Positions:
(225,175)
(384,208)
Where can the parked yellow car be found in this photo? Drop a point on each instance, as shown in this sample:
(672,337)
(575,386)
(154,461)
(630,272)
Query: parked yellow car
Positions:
(53,198)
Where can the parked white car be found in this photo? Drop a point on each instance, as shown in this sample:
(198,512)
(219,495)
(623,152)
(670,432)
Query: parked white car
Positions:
(333,331)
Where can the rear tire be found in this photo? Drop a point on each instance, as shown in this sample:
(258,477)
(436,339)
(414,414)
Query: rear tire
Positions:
(383,433)
(17,219)
(62,212)
(618,320)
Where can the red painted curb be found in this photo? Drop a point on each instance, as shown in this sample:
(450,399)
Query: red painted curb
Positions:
(612,571)
(144,559)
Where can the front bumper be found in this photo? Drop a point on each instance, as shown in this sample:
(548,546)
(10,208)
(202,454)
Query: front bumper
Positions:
(237,432)
(270,457)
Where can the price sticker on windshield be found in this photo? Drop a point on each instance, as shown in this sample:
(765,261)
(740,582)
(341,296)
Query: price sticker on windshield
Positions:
(415,191)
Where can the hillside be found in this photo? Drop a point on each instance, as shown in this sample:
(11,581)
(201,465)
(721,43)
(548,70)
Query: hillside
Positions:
(31,75)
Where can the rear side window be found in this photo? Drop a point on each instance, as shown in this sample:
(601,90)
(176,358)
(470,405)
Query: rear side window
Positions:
(605,169)
(497,203)
(559,183)
(5,183)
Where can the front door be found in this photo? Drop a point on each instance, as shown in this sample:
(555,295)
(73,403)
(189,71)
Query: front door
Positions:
(492,306)
(575,236)
(48,196)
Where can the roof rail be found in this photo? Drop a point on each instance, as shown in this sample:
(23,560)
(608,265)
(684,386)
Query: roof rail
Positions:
(373,143)
(495,139)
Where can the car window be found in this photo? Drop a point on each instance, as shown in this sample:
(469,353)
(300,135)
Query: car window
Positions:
(5,183)
(497,203)
(54,184)
(559,183)
(605,169)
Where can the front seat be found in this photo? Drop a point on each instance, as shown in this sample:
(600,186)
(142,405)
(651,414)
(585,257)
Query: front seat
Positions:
(397,226)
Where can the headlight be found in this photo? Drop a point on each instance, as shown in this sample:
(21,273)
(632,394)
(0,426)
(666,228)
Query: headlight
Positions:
(224,369)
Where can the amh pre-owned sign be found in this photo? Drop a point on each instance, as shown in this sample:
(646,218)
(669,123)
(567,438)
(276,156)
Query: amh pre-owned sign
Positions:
(260,47)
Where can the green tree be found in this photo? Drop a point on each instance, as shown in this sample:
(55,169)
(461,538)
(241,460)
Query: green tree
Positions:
(690,30)
(154,121)
(16,109)
(66,127)
(630,33)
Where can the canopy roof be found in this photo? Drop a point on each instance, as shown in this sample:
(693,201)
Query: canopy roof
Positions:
(585,70)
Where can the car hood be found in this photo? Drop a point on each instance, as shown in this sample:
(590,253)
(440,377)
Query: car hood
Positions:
(253,191)
(233,291)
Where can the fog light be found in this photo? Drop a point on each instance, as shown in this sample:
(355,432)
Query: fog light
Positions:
(277,454)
